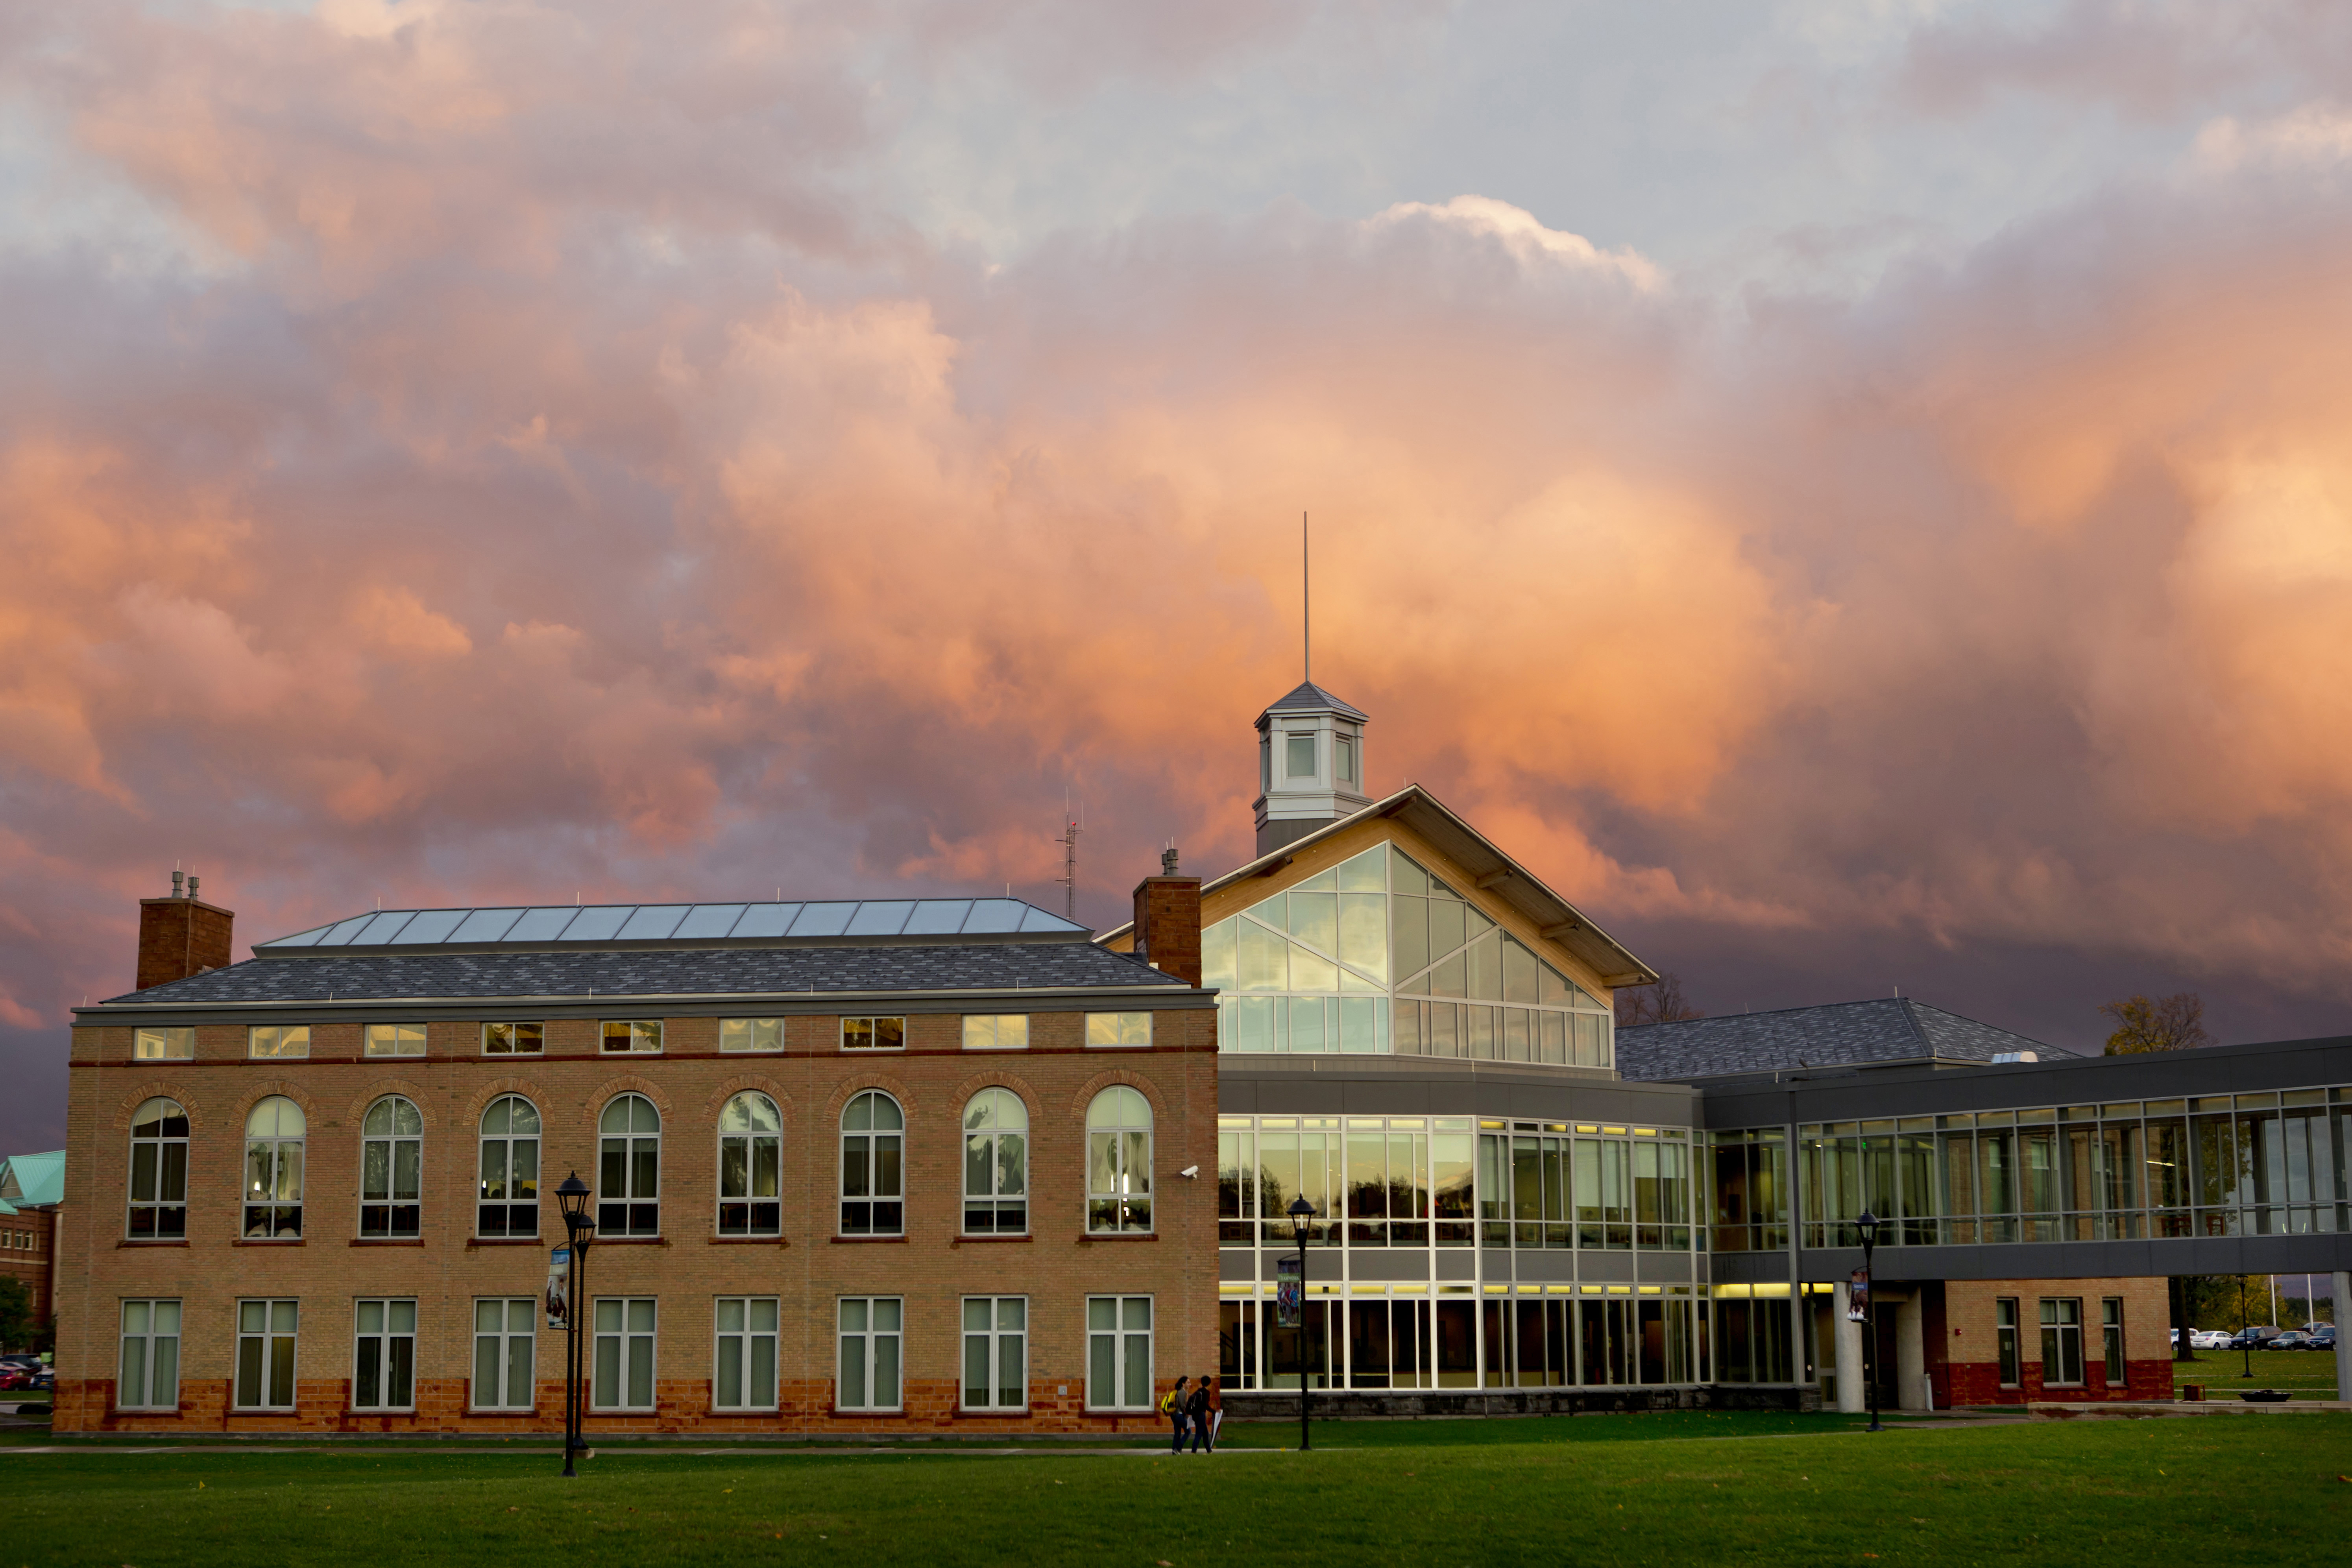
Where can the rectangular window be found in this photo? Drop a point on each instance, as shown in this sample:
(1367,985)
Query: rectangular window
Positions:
(1119,1352)
(750,1035)
(2111,1315)
(2062,1342)
(383,1359)
(869,1353)
(506,1334)
(638,1036)
(513,1039)
(624,1374)
(1118,1029)
(995,1352)
(872,1034)
(1344,747)
(277,1040)
(157,1043)
(265,1355)
(745,1371)
(2004,1316)
(396,1039)
(151,1357)
(1298,761)
(996,1032)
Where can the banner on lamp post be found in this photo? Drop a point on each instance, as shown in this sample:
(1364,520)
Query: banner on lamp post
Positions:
(1857,1296)
(1289,1291)
(559,1288)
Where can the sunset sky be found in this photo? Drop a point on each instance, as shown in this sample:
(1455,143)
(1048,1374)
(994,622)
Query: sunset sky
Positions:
(1855,493)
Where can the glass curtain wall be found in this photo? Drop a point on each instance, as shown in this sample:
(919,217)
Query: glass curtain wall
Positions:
(1447,1187)
(1377,956)
(2249,1164)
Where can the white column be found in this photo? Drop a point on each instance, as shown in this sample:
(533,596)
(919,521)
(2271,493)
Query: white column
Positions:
(1852,1392)
(1910,1355)
(2343,1357)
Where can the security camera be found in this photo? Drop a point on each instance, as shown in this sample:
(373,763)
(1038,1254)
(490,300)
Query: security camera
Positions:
(1189,1171)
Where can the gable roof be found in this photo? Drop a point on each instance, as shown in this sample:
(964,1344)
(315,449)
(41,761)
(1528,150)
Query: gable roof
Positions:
(1308,697)
(34,1179)
(1484,865)
(1879,1032)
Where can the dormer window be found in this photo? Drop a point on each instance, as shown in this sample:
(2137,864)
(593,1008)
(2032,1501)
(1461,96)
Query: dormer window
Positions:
(1299,761)
(1343,759)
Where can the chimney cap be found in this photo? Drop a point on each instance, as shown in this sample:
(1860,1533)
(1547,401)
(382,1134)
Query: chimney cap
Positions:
(1168,861)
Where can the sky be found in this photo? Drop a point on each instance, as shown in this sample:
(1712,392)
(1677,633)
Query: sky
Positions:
(1852,494)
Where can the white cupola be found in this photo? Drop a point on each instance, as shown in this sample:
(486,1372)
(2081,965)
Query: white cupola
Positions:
(1310,766)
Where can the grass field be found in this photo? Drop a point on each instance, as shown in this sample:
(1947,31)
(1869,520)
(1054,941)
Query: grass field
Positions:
(1596,1488)
(2306,1374)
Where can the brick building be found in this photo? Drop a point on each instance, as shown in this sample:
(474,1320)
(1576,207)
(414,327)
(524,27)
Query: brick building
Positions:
(32,1189)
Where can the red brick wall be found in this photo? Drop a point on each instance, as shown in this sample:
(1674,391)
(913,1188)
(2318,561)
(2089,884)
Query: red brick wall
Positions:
(180,937)
(1963,1355)
(1057,1266)
(1168,925)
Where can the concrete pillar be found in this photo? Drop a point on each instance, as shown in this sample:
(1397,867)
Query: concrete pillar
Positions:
(2336,1312)
(1910,1354)
(1853,1395)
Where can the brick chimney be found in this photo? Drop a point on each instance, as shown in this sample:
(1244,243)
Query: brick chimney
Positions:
(1168,921)
(183,935)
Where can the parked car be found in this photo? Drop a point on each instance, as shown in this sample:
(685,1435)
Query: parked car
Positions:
(2255,1337)
(2209,1339)
(2292,1339)
(14,1377)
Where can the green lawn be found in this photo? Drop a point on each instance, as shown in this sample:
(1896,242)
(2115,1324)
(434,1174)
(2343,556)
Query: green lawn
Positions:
(2258,1488)
(2307,1374)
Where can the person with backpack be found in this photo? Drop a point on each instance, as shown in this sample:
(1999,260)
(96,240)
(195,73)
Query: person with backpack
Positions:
(1198,1412)
(1171,1406)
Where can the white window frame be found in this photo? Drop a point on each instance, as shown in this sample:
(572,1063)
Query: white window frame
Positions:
(1120,1336)
(148,1336)
(754,1322)
(872,1027)
(989,1338)
(172,1043)
(643,1038)
(507,1140)
(1116,1031)
(1290,739)
(866,1340)
(756,1036)
(631,1345)
(276,1346)
(161,1168)
(871,1153)
(392,1040)
(630,1198)
(501,1341)
(385,1338)
(750,1199)
(996,1031)
(391,1200)
(506,1039)
(277,1040)
(273,1197)
(992,1166)
(1113,1176)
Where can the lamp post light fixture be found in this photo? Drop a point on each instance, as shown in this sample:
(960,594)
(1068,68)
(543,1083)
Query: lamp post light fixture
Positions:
(579,1229)
(1867,1224)
(1301,1212)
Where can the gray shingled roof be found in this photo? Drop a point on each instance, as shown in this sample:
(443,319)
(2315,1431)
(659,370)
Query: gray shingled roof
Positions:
(1842,1034)
(657,972)
(1308,697)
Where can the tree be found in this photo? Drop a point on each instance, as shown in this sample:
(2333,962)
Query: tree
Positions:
(1661,1003)
(2168,1023)
(16,1324)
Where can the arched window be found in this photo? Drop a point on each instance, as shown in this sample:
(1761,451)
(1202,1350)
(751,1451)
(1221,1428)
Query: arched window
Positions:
(509,1204)
(995,1163)
(273,1169)
(628,1181)
(159,1171)
(392,1161)
(1118,1161)
(872,1140)
(750,1163)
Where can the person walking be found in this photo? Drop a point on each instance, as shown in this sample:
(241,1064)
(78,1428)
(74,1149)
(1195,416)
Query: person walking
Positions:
(1171,1405)
(1198,1412)
(1217,1415)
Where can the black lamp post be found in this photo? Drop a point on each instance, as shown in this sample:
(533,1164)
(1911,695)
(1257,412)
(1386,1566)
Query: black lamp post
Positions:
(580,1229)
(1301,1211)
(1868,1226)
(2245,1332)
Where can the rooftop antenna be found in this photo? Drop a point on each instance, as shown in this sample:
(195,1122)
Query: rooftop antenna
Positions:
(1306,607)
(1069,842)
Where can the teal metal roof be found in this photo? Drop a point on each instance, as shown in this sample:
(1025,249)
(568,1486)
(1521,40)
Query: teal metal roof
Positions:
(29,1179)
